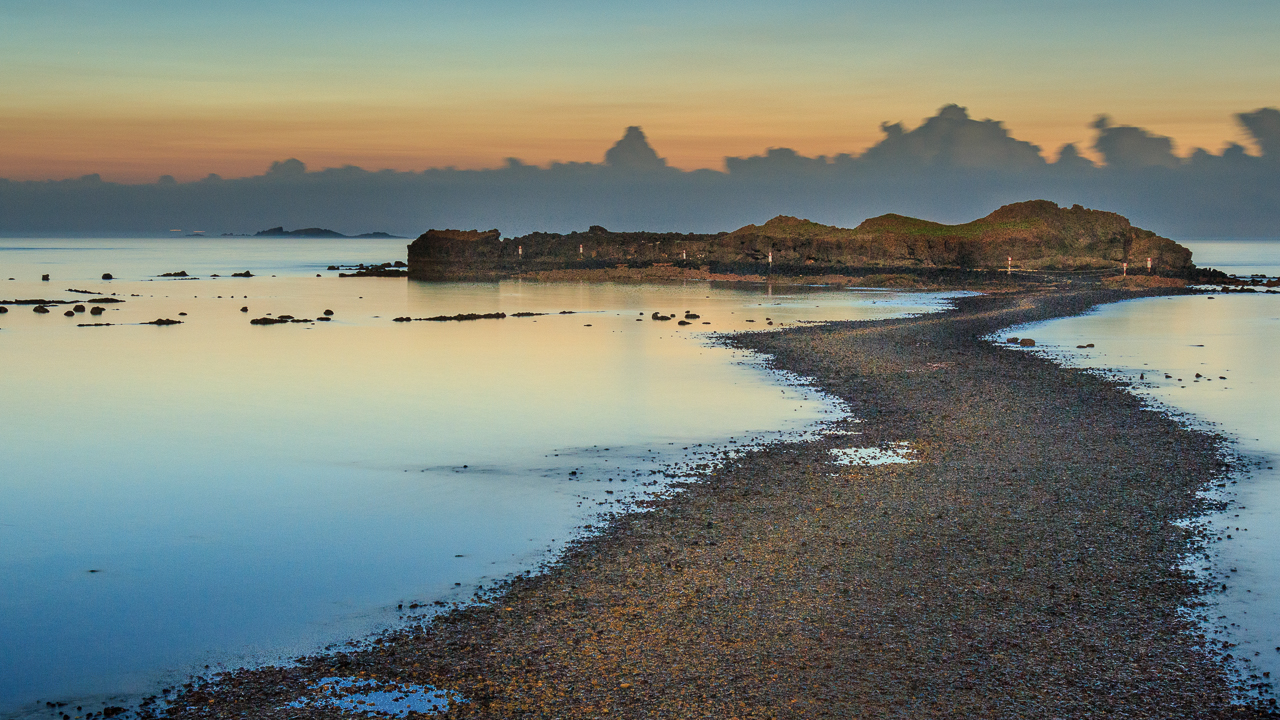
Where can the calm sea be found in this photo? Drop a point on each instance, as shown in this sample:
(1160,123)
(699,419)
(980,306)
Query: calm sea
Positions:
(220,493)
(1212,360)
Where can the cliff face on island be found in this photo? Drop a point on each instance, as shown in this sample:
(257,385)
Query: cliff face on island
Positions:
(1037,235)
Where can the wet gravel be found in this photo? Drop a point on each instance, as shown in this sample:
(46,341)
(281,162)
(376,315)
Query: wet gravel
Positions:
(1025,565)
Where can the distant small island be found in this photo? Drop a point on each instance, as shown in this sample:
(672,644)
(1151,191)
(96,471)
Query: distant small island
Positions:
(315,232)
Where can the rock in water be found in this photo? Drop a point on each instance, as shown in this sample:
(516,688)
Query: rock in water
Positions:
(1027,342)
(107,276)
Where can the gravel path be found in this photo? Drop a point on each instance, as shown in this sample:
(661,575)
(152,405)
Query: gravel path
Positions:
(1022,567)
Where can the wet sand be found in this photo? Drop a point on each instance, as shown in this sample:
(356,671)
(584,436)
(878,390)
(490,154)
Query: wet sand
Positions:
(1023,566)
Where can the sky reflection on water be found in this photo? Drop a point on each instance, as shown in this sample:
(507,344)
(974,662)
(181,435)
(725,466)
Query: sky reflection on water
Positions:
(215,492)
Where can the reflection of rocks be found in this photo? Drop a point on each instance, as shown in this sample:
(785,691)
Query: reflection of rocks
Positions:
(163,321)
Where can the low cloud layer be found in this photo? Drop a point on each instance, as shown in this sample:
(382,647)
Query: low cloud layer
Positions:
(950,168)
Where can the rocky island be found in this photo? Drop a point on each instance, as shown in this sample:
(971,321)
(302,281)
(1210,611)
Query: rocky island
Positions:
(1037,235)
(318,232)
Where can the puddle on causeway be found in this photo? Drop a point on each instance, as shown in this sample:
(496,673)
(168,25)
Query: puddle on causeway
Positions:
(377,697)
(883,455)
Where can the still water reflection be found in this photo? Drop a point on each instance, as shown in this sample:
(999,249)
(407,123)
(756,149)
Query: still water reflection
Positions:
(217,492)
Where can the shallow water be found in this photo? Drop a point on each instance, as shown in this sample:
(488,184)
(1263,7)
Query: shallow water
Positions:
(218,493)
(1160,344)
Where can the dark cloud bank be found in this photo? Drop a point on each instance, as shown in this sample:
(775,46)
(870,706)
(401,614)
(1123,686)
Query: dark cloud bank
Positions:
(951,168)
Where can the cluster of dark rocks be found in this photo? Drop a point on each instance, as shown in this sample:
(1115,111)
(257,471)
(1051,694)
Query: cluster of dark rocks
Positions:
(387,269)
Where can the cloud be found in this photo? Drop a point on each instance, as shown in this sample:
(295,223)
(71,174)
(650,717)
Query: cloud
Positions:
(1264,126)
(1126,147)
(633,152)
(949,168)
(953,139)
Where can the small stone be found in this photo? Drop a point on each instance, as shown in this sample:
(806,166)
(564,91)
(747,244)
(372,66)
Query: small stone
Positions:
(107,276)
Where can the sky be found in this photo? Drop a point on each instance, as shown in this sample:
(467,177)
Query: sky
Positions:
(136,89)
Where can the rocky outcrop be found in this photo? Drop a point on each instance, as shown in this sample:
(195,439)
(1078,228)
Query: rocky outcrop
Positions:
(1035,235)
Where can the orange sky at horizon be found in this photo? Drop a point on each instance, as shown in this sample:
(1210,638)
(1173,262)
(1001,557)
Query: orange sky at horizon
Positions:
(139,149)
